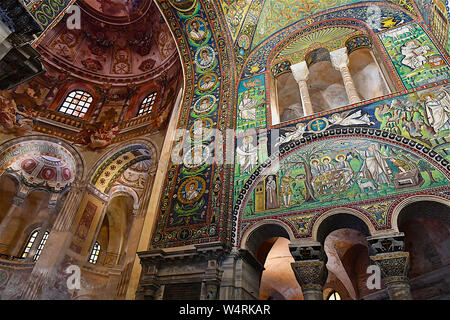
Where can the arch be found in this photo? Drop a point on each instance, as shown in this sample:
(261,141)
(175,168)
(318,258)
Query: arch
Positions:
(121,190)
(331,16)
(139,97)
(14,148)
(262,231)
(341,218)
(360,138)
(96,174)
(412,199)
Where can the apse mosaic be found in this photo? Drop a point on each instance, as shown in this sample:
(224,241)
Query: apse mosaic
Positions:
(415,57)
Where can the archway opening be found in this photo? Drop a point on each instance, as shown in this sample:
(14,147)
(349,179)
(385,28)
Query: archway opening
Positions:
(347,263)
(269,244)
(114,230)
(366,74)
(278,281)
(426,225)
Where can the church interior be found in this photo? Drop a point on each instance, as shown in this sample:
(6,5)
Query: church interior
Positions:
(224,150)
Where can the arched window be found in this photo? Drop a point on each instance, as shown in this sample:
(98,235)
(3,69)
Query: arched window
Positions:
(41,246)
(76,104)
(147,104)
(334,295)
(30,242)
(95,253)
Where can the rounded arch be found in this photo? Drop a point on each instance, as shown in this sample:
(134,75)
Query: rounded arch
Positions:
(262,231)
(121,190)
(396,213)
(341,218)
(148,152)
(139,97)
(46,144)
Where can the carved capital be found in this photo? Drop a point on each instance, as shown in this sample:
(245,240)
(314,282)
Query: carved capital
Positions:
(302,253)
(311,274)
(300,71)
(339,58)
(394,266)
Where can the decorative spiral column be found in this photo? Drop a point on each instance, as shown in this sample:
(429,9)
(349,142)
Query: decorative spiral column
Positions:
(339,60)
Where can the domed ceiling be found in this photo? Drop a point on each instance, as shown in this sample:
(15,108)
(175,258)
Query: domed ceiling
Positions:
(120,41)
(116,8)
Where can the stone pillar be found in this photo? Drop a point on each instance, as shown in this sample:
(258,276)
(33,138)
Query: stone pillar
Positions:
(339,60)
(211,281)
(148,283)
(300,72)
(310,269)
(387,253)
(16,203)
(44,272)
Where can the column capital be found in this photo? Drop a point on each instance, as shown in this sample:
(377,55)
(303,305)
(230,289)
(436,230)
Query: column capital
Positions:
(306,252)
(394,266)
(339,58)
(300,71)
(309,269)
(387,253)
(310,274)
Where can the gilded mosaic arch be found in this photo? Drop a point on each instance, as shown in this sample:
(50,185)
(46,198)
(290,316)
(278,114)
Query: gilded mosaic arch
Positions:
(190,208)
(119,158)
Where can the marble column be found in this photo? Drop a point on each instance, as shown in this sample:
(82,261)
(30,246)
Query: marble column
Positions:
(310,269)
(339,60)
(387,253)
(300,72)
(16,203)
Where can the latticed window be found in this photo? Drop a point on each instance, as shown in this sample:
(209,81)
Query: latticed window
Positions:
(41,246)
(30,242)
(147,104)
(334,296)
(95,253)
(77,103)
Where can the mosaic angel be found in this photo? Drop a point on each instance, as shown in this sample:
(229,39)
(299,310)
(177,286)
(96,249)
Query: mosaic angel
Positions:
(346,119)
